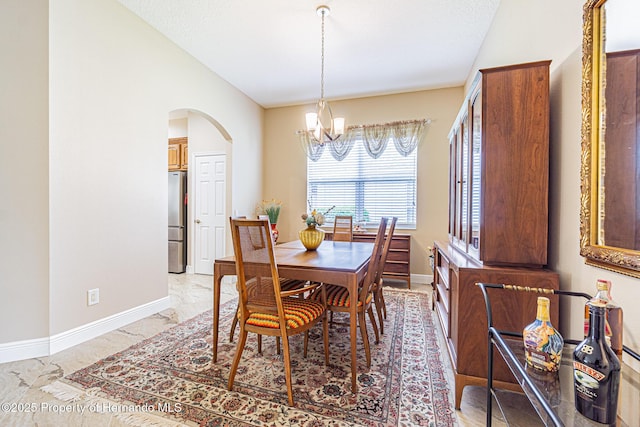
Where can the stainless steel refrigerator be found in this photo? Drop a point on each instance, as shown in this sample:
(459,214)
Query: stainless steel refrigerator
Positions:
(177,222)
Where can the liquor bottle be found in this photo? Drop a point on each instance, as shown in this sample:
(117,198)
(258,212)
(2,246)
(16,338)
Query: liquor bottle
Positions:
(542,342)
(596,371)
(613,317)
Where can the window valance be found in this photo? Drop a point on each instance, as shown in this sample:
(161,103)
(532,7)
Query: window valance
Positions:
(405,136)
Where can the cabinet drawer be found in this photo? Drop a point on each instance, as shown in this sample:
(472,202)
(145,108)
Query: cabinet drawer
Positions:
(367,238)
(396,267)
(398,255)
(400,242)
(443,277)
(443,315)
(443,295)
(443,261)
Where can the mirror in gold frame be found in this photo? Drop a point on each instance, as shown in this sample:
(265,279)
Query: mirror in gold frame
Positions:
(610,163)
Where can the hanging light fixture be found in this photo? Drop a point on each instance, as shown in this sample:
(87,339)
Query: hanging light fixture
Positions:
(321,125)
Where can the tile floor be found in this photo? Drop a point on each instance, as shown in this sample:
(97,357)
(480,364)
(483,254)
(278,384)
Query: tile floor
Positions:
(21,381)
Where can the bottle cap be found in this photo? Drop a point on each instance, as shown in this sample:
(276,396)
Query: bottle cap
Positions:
(603,285)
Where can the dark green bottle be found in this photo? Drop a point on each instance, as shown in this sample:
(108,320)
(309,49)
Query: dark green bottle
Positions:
(596,372)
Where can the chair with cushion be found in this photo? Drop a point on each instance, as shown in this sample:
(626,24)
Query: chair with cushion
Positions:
(338,296)
(264,308)
(285,285)
(343,228)
(378,296)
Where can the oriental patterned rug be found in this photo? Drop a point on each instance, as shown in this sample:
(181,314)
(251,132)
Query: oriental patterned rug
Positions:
(171,376)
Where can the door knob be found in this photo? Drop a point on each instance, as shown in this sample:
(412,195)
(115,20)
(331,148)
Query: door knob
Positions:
(197,221)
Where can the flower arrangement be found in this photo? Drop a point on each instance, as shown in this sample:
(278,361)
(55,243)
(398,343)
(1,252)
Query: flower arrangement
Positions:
(315,217)
(271,208)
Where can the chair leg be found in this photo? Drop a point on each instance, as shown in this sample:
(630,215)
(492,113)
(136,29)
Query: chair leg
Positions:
(236,359)
(287,368)
(259,344)
(365,337)
(234,323)
(374,324)
(384,304)
(378,305)
(277,345)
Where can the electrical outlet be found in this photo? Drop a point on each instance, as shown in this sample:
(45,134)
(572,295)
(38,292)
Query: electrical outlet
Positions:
(93,296)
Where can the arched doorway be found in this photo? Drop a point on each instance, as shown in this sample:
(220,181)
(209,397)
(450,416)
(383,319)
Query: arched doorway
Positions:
(208,186)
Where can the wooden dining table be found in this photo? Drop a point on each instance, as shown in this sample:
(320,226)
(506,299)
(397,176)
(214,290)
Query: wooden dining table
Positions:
(338,263)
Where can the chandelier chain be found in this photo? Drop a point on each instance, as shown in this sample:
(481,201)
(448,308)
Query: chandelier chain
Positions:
(322,60)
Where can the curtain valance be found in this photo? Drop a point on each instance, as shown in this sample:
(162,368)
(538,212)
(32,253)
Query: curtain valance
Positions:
(405,136)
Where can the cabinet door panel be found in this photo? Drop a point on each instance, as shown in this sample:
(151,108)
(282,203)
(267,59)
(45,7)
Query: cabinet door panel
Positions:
(184,156)
(174,156)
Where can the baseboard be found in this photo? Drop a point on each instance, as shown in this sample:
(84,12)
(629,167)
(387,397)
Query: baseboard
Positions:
(21,350)
(424,279)
(91,330)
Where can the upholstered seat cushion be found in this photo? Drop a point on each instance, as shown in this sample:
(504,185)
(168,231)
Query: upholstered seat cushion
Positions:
(291,284)
(297,311)
(338,296)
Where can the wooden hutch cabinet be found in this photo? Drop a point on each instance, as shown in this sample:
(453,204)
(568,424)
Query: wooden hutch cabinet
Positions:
(498,215)
(178,154)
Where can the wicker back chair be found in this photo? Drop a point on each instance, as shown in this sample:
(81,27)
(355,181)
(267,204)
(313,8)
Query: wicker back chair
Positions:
(343,228)
(264,308)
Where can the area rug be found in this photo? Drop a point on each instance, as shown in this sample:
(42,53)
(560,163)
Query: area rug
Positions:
(171,375)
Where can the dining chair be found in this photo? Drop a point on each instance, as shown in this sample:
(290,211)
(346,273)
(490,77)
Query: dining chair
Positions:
(338,299)
(264,308)
(285,285)
(378,296)
(343,228)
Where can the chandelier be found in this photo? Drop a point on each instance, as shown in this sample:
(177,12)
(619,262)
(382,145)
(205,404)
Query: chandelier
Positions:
(322,127)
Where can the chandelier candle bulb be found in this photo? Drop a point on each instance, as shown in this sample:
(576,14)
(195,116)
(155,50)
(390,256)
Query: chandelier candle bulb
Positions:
(542,342)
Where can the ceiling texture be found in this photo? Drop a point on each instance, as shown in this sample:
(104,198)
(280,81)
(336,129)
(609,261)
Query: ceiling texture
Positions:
(270,49)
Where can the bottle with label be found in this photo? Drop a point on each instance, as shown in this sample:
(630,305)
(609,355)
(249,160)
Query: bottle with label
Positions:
(596,371)
(542,342)
(613,317)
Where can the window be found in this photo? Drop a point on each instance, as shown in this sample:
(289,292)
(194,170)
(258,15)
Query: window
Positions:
(364,187)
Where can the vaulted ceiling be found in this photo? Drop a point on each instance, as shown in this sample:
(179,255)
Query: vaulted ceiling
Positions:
(270,49)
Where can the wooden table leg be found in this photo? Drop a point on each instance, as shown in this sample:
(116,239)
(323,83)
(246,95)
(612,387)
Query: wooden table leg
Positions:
(353,298)
(217,282)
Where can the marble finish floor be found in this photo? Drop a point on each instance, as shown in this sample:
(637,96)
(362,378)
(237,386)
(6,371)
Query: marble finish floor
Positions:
(21,381)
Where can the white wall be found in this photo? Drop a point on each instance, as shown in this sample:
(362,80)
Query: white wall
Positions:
(515,25)
(547,29)
(112,82)
(24,170)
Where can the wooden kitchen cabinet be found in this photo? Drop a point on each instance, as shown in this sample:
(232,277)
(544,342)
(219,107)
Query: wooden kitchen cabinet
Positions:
(178,154)
(498,216)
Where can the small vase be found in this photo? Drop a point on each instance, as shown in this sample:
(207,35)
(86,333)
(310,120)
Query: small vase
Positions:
(274,233)
(311,237)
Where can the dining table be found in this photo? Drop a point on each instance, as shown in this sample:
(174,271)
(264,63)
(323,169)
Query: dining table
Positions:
(339,263)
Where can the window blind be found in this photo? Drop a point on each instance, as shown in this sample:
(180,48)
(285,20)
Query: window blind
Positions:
(363,187)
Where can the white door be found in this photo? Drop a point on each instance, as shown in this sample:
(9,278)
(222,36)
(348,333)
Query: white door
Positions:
(209,213)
